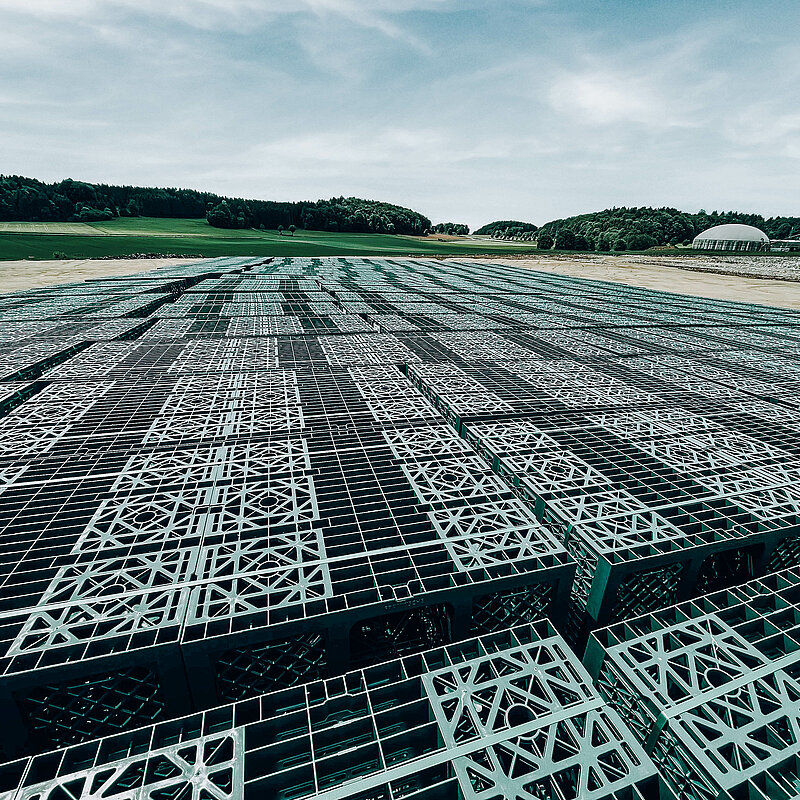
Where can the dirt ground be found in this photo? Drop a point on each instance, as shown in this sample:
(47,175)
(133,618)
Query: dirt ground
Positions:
(666,278)
(18,275)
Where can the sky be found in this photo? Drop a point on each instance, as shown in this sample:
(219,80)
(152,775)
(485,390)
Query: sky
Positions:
(466,111)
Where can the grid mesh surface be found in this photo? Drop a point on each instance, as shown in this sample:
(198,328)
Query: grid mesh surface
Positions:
(711,688)
(230,478)
(508,715)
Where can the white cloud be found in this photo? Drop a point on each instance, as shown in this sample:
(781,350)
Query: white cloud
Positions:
(671,81)
(605,98)
(519,108)
(765,126)
(239,15)
(406,149)
(342,150)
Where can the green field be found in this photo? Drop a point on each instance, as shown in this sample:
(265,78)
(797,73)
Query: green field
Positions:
(127,236)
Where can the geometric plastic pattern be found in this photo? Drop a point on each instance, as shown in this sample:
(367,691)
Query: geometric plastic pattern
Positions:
(512,715)
(236,481)
(710,689)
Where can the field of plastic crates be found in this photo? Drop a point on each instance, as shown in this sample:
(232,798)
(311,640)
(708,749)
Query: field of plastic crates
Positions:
(371,529)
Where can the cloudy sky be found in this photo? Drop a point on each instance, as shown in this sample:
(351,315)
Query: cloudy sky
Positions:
(467,111)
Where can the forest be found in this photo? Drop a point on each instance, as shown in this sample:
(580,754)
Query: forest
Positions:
(354,215)
(451,229)
(509,229)
(29,200)
(641,228)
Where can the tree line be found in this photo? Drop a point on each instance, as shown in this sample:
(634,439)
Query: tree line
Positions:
(641,228)
(339,214)
(355,215)
(509,229)
(29,200)
(451,229)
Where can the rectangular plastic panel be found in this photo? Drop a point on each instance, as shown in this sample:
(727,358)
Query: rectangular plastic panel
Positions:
(710,688)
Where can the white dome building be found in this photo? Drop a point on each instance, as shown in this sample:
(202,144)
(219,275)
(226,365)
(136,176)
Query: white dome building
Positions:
(742,238)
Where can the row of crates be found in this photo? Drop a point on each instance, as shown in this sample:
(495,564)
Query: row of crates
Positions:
(205,538)
(655,500)
(699,700)
(552,360)
(278,485)
(507,715)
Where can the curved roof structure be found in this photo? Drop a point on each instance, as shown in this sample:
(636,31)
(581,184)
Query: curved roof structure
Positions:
(734,232)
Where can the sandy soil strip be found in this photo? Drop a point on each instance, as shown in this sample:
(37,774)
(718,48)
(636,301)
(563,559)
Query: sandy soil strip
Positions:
(666,278)
(18,275)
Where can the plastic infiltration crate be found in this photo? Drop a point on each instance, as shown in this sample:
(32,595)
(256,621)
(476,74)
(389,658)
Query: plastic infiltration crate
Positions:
(509,715)
(229,478)
(710,688)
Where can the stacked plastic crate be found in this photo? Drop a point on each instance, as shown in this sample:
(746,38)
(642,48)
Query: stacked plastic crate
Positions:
(710,689)
(188,521)
(660,481)
(507,715)
(278,485)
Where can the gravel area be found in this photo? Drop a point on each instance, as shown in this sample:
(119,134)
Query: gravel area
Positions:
(786,268)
